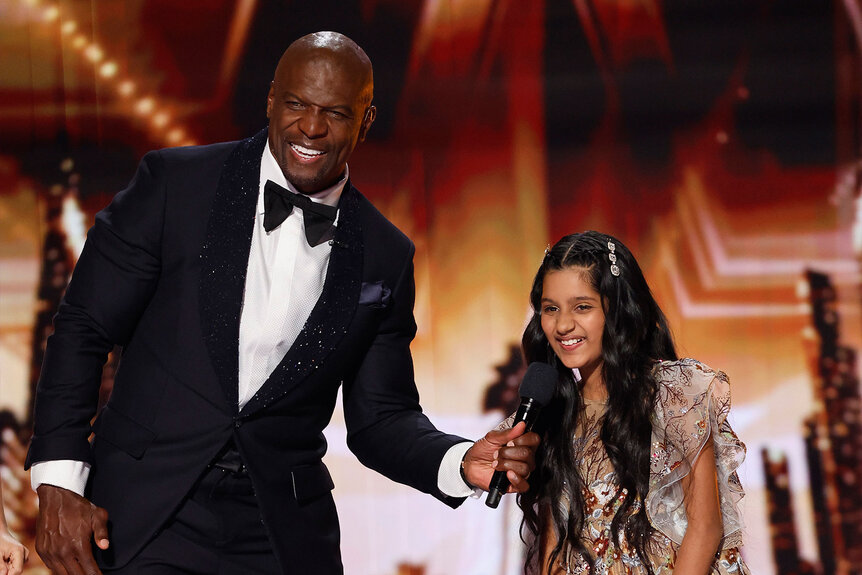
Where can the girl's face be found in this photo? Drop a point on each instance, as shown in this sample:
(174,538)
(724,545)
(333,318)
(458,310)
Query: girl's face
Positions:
(573,320)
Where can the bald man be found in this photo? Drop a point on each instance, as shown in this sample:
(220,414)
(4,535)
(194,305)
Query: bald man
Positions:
(246,281)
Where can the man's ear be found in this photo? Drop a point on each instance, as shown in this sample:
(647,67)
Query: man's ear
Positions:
(269,98)
(367,120)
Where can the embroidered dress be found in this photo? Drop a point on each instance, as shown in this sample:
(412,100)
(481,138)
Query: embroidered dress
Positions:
(692,401)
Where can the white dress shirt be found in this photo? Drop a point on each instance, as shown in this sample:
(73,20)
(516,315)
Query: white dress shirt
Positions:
(270,320)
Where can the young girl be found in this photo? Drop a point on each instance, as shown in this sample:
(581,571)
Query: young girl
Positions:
(636,470)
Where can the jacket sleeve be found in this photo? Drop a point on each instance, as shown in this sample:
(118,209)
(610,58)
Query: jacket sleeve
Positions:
(386,428)
(111,285)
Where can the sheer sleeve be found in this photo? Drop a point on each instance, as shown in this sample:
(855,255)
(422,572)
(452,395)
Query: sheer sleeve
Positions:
(692,405)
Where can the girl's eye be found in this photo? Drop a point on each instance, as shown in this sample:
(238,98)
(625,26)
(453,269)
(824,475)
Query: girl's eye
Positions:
(583,307)
(549,309)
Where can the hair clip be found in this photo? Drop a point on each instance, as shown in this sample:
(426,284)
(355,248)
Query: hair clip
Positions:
(615,269)
(547,251)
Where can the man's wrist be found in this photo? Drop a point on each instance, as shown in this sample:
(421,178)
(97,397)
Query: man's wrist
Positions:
(65,473)
(463,471)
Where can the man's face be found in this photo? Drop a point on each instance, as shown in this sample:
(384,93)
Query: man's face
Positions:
(317,112)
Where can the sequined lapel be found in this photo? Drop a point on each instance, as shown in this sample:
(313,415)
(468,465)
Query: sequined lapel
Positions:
(224,260)
(332,314)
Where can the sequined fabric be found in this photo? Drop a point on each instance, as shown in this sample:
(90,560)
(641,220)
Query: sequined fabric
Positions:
(692,400)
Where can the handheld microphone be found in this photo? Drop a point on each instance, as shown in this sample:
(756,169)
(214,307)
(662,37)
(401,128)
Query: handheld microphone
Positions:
(536,391)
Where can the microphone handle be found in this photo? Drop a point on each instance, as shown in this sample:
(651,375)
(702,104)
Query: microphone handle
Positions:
(527,412)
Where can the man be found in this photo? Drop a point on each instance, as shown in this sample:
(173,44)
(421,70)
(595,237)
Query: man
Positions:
(240,315)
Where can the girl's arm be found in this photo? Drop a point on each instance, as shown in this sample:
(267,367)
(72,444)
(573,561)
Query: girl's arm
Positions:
(703,535)
(547,542)
(12,553)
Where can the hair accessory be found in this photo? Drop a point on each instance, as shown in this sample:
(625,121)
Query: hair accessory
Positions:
(615,269)
(547,251)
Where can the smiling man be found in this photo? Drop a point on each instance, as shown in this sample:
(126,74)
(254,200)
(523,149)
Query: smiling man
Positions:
(246,282)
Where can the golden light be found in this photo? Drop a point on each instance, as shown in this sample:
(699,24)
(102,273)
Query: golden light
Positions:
(51,13)
(160,120)
(74,224)
(94,53)
(68,27)
(175,135)
(32,2)
(108,70)
(126,88)
(145,106)
(78,42)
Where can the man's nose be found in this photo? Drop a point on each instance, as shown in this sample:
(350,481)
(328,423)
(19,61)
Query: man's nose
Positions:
(313,124)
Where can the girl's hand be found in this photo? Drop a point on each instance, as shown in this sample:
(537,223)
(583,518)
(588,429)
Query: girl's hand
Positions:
(13,554)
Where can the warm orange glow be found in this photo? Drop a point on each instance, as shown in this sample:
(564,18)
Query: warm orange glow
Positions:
(94,53)
(161,119)
(175,135)
(126,88)
(145,106)
(108,70)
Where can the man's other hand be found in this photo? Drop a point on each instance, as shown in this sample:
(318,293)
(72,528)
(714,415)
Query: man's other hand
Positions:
(68,523)
(509,450)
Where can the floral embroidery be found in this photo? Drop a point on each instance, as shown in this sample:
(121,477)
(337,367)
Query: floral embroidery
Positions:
(692,404)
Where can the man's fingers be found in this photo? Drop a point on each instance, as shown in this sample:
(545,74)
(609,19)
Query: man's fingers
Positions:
(517,483)
(100,528)
(517,453)
(504,436)
(86,563)
(56,566)
(521,468)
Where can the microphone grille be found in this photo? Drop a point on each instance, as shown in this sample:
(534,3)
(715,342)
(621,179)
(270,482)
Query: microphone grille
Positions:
(539,382)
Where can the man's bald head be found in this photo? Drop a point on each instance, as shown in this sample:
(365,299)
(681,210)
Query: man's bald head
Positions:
(338,49)
(319,108)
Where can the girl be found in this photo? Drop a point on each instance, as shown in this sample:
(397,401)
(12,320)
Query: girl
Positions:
(636,470)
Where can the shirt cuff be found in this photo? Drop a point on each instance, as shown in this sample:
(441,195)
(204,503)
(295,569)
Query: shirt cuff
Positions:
(449,480)
(65,473)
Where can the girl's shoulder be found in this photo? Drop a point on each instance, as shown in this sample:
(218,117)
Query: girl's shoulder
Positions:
(691,407)
(687,376)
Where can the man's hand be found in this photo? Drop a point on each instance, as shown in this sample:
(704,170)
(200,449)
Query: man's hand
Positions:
(67,525)
(509,450)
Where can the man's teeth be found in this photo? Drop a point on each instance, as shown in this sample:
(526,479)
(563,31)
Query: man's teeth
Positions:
(572,341)
(306,152)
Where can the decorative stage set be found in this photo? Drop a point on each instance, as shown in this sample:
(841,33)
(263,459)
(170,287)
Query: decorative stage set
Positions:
(719,139)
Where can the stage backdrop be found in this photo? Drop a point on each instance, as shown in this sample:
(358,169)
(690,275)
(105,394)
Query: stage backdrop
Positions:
(719,139)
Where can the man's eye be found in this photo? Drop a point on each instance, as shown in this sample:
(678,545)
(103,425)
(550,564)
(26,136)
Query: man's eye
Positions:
(293,105)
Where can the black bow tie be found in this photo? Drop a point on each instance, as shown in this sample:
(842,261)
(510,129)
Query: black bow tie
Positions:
(278,203)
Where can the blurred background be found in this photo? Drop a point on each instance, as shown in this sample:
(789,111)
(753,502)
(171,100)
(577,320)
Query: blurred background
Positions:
(719,139)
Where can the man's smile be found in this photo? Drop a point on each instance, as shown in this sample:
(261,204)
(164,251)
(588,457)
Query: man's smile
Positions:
(306,154)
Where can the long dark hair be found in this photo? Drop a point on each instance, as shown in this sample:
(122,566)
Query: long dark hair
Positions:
(635,335)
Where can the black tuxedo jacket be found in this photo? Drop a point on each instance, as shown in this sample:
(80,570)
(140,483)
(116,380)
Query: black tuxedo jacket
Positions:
(162,274)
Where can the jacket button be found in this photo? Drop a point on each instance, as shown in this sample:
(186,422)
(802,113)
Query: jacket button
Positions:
(237,422)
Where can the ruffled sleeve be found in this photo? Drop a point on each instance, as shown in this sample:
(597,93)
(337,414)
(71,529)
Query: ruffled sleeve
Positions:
(691,406)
